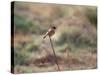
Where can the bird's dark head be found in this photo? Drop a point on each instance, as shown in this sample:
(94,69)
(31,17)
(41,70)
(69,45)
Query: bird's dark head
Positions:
(54,27)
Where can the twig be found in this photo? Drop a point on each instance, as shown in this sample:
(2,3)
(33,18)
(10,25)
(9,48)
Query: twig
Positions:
(55,58)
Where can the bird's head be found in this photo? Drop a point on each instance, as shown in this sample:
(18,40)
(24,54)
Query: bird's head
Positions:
(54,27)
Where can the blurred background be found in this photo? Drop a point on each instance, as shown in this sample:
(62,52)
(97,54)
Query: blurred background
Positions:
(75,39)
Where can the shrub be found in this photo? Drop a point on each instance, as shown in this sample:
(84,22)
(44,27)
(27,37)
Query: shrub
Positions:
(23,25)
(20,57)
(76,39)
(91,14)
(32,47)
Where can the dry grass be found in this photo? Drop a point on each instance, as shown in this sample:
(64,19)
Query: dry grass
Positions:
(70,62)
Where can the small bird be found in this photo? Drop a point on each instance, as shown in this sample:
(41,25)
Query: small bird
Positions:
(50,32)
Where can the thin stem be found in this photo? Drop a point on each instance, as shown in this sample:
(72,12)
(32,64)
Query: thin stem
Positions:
(54,54)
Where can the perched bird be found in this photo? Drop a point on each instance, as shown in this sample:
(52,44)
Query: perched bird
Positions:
(50,32)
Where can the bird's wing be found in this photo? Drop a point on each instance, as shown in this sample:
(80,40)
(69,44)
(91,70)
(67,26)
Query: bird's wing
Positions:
(47,33)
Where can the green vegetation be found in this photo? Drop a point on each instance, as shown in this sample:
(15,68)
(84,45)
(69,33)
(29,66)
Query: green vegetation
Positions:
(20,57)
(26,26)
(21,23)
(92,15)
(76,38)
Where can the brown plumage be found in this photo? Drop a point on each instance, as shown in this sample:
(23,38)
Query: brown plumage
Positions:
(50,32)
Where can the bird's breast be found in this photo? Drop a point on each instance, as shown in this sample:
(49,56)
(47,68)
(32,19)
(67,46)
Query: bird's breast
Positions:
(51,33)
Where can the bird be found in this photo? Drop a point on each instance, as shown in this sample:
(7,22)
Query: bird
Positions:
(50,32)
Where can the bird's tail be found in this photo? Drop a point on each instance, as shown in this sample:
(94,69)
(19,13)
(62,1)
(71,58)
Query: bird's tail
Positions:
(44,36)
